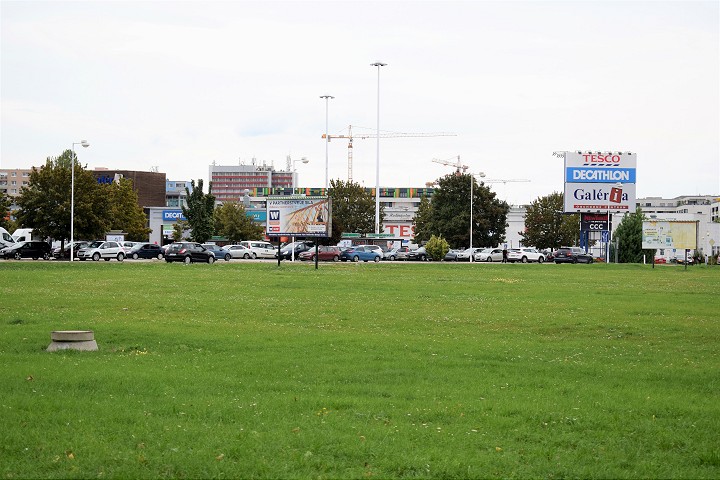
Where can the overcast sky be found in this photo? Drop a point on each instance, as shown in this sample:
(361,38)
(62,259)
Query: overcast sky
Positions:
(179,85)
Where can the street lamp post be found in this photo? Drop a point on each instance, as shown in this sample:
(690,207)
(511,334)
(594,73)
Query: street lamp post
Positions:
(85,144)
(294,172)
(377,161)
(472,182)
(327,138)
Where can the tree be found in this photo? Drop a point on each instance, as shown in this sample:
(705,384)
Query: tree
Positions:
(547,227)
(199,212)
(179,230)
(232,222)
(353,209)
(422,221)
(450,213)
(5,203)
(44,204)
(437,247)
(628,237)
(125,213)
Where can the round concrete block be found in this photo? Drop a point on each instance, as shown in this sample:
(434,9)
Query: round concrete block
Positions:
(72,336)
(88,346)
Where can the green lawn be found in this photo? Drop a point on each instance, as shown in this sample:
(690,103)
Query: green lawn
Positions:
(394,370)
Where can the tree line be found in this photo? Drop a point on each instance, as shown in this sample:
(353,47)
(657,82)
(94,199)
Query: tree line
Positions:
(44,205)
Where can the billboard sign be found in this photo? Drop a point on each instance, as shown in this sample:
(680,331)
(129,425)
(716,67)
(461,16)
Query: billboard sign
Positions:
(594,222)
(299,216)
(600,182)
(669,234)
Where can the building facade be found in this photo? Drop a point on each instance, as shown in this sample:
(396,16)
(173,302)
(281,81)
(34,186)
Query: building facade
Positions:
(13,179)
(230,183)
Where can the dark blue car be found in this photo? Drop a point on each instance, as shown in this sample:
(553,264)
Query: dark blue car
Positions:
(146,250)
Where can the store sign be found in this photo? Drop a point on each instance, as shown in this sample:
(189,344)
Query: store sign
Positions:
(594,222)
(173,215)
(600,182)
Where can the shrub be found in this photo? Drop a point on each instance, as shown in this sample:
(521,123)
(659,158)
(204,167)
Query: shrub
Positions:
(437,247)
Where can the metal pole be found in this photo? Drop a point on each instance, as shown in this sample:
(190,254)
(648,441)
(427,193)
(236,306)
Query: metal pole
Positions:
(377,161)
(327,139)
(85,144)
(72,203)
(472,180)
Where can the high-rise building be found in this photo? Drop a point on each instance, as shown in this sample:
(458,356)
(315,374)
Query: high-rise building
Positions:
(230,183)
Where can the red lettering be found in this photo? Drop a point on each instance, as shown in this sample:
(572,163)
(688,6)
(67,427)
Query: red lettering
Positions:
(600,159)
(391,229)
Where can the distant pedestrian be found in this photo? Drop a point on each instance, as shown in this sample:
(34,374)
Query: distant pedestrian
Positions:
(504,255)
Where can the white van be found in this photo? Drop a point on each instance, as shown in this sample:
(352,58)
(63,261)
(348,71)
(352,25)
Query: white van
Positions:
(259,249)
(5,239)
(23,235)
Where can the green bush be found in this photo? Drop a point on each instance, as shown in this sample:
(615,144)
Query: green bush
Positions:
(437,247)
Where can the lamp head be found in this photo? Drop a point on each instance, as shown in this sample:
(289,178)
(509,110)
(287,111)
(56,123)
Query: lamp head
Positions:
(84,143)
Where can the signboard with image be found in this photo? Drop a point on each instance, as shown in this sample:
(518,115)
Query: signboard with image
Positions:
(299,216)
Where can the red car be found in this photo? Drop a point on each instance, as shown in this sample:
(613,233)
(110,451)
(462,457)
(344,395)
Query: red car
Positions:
(325,254)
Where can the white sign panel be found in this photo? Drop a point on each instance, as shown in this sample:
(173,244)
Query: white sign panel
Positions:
(600,182)
(299,216)
(669,234)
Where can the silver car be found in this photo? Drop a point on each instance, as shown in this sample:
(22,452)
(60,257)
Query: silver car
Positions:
(489,255)
(100,249)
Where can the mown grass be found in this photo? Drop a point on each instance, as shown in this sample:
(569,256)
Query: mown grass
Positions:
(247,370)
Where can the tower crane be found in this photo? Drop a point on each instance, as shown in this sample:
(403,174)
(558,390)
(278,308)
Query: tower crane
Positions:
(503,181)
(350,136)
(458,166)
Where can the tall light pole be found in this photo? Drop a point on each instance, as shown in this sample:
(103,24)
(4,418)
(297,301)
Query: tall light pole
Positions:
(327,138)
(294,172)
(85,144)
(472,182)
(377,161)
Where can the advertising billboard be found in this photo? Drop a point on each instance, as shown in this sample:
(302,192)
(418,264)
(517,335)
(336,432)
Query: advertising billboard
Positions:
(669,234)
(600,182)
(299,216)
(596,222)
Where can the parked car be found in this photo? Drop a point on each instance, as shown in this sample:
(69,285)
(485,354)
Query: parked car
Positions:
(331,254)
(286,252)
(451,255)
(188,252)
(360,252)
(419,254)
(238,251)
(525,255)
(465,255)
(29,249)
(572,255)
(260,249)
(375,248)
(397,253)
(146,250)
(65,253)
(101,249)
(127,246)
(489,255)
(218,252)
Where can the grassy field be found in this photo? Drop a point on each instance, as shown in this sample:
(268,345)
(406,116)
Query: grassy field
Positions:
(247,370)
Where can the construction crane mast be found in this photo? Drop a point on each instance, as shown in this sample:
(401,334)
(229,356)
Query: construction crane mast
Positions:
(350,138)
(459,167)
